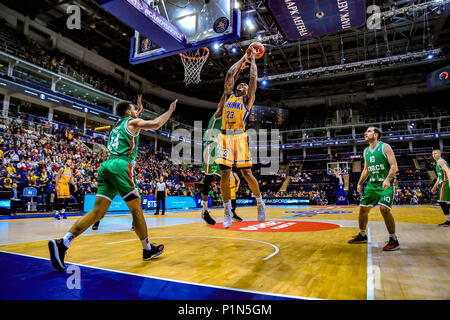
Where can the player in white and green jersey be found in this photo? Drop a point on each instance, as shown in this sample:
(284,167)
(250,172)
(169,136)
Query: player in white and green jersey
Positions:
(441,185)
(209,166)
(117,176)
(380,166)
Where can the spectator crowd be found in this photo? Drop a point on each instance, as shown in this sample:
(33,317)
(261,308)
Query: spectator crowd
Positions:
(32,158)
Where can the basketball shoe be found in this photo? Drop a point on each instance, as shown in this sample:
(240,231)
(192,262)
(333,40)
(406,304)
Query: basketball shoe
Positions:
(445,224)
(261,212)
(207,218)
(358,239)
(57,217)
(227,219)
(57,252)
(392,245)
(236,217)
(153,252)
(95,225)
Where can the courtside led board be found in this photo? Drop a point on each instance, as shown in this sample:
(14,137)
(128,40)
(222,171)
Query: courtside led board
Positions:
(298,19)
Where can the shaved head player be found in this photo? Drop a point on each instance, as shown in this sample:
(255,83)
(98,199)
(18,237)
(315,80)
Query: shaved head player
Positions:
(235,107)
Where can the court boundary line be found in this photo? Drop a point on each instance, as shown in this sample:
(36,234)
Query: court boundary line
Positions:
(266,258)
(370,279)
(171,280)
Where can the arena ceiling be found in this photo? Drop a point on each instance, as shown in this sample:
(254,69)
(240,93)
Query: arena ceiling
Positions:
(415,31)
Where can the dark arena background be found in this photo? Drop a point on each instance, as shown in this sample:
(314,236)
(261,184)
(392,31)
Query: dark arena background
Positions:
(332,71)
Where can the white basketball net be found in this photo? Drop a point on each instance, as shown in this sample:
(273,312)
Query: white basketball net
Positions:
(193,62)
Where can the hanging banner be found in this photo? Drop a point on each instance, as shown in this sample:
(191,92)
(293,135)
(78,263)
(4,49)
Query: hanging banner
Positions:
(298,19)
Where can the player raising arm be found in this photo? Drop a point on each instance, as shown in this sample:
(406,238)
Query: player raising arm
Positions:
(117,176)
(235,108)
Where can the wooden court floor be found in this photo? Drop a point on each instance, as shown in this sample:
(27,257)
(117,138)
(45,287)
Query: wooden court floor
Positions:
(300,251)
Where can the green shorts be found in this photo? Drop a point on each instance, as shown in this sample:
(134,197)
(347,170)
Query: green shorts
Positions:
(374,194)
(209,166)
(117,176)
(444,191)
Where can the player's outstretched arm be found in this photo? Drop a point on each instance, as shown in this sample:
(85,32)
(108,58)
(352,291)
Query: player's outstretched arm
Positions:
(392,162)
(139,104)
(232,75)
(253,84)
(136,125)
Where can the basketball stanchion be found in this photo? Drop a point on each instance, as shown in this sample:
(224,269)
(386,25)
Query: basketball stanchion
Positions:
(193,62)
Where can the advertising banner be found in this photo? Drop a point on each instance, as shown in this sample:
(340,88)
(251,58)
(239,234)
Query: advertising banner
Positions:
(273,201)
(305,18)
(147,202)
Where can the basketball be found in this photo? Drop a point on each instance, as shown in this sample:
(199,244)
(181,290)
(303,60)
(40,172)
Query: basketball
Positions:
(259,48)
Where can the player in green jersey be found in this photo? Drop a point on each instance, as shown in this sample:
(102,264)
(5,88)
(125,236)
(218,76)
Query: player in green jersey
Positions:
(210,167)
(443,172)
(380,166)
(117,176)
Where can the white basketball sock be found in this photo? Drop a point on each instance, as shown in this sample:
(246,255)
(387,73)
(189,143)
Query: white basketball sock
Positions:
(146,244)
(227,205)
(392,235)
(447,216)
(362,232)
(68,238)
(259,199)
(205,205)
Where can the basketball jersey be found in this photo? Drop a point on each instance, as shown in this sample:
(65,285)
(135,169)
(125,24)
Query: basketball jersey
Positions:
(441,173)
(377,163)
(65,176)
(235,113)
(122,142)
(213,130)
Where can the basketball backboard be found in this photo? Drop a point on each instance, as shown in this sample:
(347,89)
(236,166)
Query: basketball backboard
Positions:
(337,168)
(167,27)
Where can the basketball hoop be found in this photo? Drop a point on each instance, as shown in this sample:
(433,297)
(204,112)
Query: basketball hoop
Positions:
(193,62)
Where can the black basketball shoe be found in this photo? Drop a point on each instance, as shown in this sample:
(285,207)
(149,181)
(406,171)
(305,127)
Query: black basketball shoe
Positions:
(57,252)
(392,245)
(95,225)
(207,218)
(445,224)
(153,252)
(358,239)
(236,217)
